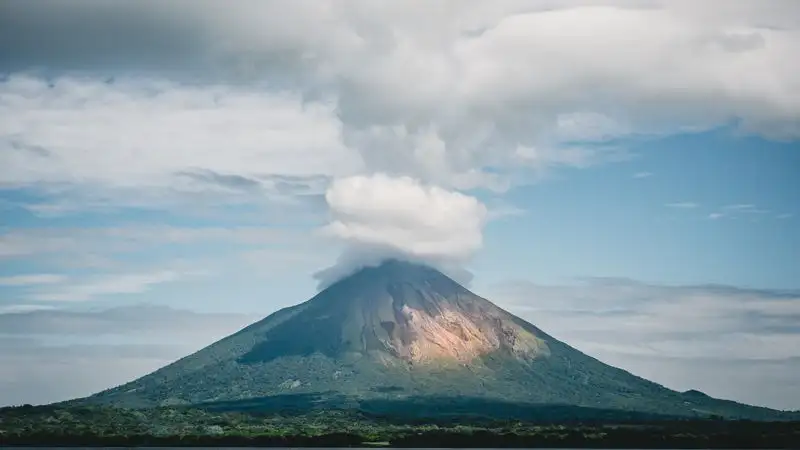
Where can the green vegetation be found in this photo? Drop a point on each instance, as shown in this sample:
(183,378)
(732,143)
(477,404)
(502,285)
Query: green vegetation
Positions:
(103,426)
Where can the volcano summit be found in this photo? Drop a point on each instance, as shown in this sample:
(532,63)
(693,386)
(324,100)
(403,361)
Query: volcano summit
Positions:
(401,334)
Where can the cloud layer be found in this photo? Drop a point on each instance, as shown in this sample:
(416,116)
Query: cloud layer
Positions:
(378,217)
(143,135)
(682,336)
(459,93)
(55,355)
(76,267)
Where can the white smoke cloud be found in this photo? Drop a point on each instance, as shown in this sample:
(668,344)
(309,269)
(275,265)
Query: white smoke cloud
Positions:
(380,217)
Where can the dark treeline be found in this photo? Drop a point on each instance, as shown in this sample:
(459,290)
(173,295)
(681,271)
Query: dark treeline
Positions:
(646,437)
(193,427)
(741,436)
(91,440)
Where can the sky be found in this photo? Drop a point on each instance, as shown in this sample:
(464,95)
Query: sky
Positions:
(623,174)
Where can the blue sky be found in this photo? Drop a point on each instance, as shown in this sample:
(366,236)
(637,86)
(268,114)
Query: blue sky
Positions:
(662,228)
(637,198)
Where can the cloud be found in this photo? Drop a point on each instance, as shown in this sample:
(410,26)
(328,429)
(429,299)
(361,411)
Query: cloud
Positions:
(642,175)
(78,242)
(55,355)
(744,209)
(700,330)
(32,279)
(379,217)
(739,207)
(110,285)
(209,139)
(784,216)
(97,263)
(682,205)
(133,320)
(72,135)
(500,209)
(463,95)
(45,374)
(21,308)
(769,383)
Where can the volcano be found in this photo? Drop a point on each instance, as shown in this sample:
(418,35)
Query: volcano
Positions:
(397,336)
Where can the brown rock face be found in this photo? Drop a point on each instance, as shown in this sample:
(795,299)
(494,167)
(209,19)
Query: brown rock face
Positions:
(419,336)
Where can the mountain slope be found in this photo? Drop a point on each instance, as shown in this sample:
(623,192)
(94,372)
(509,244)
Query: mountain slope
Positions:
(404,332)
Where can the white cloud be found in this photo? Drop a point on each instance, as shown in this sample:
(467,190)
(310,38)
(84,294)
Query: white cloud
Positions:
(110,285)
(500,209)
(448,93)
(98,241)
(137,320)
(470,68)
(738,210)
(381,216)
(32,279)
(17,243)
(23,308)
(744,208)
(642,175)
(739,207)
(92,263)
(144,134)
(682,205)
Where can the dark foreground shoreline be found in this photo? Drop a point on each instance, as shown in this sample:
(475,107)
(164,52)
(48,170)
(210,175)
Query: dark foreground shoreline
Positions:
(58,426)
(748,436)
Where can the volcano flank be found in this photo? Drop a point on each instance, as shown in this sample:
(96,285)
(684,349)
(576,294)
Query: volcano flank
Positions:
(397,336)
